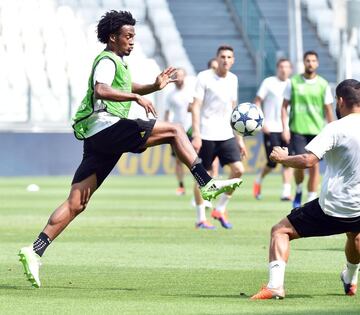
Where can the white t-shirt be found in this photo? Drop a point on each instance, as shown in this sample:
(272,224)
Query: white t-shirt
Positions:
(177,102)
(104,72)
(328,96)
(339,144)
(271,91)
(217,95)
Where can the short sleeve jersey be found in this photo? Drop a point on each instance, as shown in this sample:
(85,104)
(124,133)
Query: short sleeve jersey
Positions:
(271,92)
(217,95)
(177,102)
(339,144)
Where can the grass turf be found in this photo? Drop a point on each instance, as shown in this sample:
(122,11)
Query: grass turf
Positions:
(135,251)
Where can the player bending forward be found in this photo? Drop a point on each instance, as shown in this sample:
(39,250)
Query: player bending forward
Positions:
(338,208)
(103,122)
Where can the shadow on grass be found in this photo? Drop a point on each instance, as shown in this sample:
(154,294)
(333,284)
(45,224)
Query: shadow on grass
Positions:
(69,287)
(319,249)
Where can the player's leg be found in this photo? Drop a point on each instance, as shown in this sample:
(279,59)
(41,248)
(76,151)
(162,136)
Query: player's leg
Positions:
(281,235)
(297,146)
(174,134)
(349,276)
(215,168)
(179,171)
(228,152)
(287,173)
(266,169)
(76,203)
(207,155)
(313,183)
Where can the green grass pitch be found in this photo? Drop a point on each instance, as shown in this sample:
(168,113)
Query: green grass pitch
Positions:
(135,251)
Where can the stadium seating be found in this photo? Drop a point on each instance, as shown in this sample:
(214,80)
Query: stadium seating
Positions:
(45,73)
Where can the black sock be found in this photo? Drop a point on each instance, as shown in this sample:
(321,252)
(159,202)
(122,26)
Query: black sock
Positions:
(200,173)
(181,184)
(41,243)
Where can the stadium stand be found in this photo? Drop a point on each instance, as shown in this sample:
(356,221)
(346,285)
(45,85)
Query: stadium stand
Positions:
(45,59)
(201,37)
(44,74)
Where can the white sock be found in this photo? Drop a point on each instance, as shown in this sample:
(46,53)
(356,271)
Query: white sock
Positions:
(312,195)
(298,188)
(286,190)
(200,213)
(276,274)
(351,273)
(258,179)
(222,203)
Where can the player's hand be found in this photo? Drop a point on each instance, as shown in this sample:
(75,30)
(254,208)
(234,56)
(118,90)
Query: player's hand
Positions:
(243,150)
(165,77)
(197,143)
(149,107)
(285,135)
(278,154)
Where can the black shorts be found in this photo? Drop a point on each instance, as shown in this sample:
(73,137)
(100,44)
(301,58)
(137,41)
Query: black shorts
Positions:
(298,143)
(271,140)
(310,220)
(103,150)
(228,152)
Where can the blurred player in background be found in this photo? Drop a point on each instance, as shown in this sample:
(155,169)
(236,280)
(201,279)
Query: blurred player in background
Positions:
(212,64)
(215,97)
(103,121)
(177,103)
(338,208)
(311,101)
(271,95)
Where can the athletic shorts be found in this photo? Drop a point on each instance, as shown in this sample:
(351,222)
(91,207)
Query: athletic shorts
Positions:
(298,143)
(310,220)
(228,152)
(103,150)
(271,140)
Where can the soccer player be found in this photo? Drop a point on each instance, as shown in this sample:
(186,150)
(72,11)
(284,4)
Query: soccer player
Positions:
(311,100)
(103,122)
(338,208)
(270,95)
(177,103)
(212,64)
(215,97)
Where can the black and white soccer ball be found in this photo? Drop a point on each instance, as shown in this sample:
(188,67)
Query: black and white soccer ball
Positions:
(247,119)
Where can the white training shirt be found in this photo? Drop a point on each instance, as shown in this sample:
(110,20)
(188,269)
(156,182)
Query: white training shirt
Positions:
(339,144)
(271,92)
(177,102)
(328,96)
(104,72)
(217,95)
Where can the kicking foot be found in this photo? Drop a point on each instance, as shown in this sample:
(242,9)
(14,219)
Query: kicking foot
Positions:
(216,187)
(265,294)
(31,263)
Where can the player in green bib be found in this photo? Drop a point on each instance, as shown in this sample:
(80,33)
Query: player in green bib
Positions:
(107,120)
(310,100)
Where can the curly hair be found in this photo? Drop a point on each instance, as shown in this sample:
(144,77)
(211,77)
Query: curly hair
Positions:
(111,22)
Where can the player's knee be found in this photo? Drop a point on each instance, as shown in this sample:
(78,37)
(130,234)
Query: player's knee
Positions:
(77,206)
(178,130)
(236,173)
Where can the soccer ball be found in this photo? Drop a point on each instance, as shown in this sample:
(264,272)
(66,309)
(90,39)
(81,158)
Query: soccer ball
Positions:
(247,119)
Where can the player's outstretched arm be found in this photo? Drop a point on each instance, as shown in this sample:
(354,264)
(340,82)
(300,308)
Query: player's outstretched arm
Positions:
(162,80)
(105,92)
(300,161)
